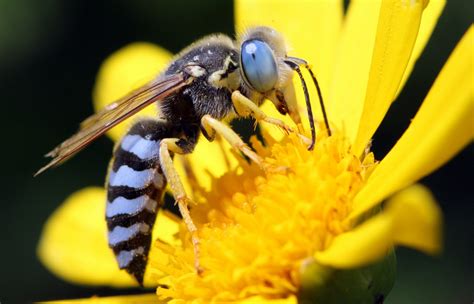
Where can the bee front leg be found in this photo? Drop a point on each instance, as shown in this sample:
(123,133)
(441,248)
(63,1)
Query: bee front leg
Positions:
(182,199)
(246,107)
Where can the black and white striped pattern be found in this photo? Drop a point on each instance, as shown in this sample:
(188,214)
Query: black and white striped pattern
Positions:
(134,192)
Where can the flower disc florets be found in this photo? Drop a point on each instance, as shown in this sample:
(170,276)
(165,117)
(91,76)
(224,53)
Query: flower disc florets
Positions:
(256,229)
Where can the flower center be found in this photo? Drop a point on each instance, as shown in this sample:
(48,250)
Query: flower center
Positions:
(256,229)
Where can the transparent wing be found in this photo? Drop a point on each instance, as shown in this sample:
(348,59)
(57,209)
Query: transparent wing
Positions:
(99,123)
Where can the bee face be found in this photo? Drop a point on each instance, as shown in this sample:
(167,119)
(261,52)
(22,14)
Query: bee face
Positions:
(262,51)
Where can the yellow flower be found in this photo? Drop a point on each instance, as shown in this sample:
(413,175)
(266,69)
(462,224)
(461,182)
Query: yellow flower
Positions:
(271,237)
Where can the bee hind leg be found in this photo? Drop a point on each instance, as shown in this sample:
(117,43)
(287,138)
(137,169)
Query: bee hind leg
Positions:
(177,188)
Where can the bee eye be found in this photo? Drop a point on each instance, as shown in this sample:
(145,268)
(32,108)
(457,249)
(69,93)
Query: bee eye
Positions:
(259,66)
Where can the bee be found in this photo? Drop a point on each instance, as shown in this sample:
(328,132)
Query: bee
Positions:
(212,81)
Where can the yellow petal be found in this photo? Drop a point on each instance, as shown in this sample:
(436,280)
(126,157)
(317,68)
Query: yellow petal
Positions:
(73,244)
(365,244)
(418,219)
(411,218)
(428,23)
(440,129)
(133,299)
(125,70)
(397,30)
(345,98)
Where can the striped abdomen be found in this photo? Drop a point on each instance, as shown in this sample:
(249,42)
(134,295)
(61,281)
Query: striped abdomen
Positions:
(134,192)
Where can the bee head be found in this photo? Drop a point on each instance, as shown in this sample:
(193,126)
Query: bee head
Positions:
(262,54)
(266,71)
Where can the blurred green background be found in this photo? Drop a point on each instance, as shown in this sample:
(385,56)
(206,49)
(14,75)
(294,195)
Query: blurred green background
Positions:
(50,51)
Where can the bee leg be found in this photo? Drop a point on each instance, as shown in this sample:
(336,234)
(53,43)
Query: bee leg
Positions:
(246,107)
(177,188)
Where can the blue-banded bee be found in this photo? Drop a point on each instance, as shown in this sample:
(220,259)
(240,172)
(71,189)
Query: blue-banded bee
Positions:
(213,80)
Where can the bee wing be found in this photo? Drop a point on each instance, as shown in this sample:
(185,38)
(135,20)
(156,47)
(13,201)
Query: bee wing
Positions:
(99,123)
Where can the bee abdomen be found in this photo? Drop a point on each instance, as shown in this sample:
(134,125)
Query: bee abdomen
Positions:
(134,192)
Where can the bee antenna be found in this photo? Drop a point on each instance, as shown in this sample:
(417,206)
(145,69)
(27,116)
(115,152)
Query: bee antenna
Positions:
(296,67)
(320,96)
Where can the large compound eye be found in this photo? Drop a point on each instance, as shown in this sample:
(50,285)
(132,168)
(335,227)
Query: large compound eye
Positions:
(259,66)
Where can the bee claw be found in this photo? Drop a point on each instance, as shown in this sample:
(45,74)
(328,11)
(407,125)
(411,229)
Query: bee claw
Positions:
(199,270)
(280,124)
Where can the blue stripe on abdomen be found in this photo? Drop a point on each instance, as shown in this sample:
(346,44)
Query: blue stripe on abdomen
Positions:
(122,234)
(126,176)
(122,205)
(126,257)
(143,148)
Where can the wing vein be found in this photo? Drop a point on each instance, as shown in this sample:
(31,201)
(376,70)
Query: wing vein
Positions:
(96,125)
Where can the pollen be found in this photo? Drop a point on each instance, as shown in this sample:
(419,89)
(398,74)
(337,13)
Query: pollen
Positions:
(256,228)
